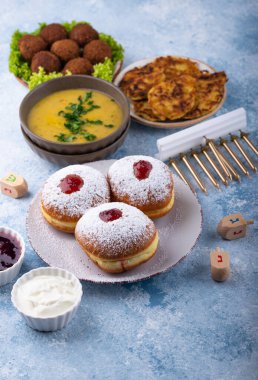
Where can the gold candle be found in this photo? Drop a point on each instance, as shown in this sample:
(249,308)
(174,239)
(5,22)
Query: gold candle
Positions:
(216,153)
(181,175)
(245,137)
(224,143)
(193,172)
(205,169)
(215,166)
(229,166)
(241,149)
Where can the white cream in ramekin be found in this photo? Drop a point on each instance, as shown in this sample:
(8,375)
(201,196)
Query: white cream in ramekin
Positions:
(47,297)
(9,274)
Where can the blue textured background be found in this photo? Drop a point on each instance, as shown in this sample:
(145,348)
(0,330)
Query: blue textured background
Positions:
(179,325)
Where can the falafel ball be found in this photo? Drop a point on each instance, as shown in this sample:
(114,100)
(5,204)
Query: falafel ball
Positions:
(65,49)
(96,51)
(53,32)
(79,66)
(30,45)
(83,34)
(47,60)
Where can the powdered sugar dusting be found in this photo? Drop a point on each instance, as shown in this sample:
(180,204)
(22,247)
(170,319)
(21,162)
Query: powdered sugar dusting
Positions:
(178,231)
(133,229)
(157,187)
(94,191)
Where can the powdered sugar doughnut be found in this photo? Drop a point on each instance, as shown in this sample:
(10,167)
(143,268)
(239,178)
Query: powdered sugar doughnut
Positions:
(116,236)
(69,192)
(143,182)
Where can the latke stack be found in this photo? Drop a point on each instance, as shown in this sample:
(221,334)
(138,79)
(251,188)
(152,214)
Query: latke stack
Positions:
(173,88)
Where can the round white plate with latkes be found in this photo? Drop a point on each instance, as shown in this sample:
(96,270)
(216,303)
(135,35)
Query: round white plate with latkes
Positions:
(178,233)
(169,124)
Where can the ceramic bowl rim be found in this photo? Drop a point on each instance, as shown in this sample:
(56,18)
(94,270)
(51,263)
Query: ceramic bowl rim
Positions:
(26,137)
(35,272)
(24,124)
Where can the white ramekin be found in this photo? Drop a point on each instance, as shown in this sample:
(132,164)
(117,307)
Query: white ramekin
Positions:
(52,323)
(9,274)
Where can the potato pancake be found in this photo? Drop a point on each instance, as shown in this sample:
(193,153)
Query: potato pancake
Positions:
(210,91)
(219,76)
(128,78)
(173,88)
(173,98)
(139,82)
(174,66)
(144,110)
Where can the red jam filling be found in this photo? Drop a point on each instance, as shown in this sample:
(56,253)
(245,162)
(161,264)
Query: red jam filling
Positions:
(9,253)
(110,215)
(142,169)
(71,183)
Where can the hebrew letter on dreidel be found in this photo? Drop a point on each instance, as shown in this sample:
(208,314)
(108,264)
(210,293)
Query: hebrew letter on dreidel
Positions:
(234,220)
(13,185)
(11,178)
(233,226)
(220,265)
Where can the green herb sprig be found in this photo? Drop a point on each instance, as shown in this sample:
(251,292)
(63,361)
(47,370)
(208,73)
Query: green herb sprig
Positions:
(62,137)
(73,118)
(89,136)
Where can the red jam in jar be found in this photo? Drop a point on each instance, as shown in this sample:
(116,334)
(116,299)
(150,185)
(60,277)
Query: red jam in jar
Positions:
(9,253)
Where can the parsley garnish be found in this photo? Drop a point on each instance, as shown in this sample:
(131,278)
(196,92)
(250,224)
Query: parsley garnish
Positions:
(73,118)
(89,136)
(65,138)
(86,97)
(109,125)
(75,126)
(95,122)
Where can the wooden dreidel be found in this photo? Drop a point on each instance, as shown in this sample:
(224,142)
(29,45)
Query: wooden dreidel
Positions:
(13,185)
(233,226)
(220,264)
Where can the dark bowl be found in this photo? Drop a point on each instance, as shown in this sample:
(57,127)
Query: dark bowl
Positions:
(69,159)
(66,83)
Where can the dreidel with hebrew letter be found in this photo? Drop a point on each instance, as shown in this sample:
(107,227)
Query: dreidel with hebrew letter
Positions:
(13,185)
(233,226)
(220,264)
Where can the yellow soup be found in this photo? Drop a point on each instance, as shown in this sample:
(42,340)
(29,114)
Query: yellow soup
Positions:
(75,116)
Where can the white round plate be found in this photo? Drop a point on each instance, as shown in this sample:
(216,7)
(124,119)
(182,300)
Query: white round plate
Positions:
(178,233)
(168,124)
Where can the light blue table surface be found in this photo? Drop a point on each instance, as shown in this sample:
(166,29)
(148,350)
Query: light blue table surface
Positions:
(181,324)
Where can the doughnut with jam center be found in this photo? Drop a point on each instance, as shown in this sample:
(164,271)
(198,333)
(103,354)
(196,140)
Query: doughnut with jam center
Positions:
(142,182)
(117,237)
(69,192)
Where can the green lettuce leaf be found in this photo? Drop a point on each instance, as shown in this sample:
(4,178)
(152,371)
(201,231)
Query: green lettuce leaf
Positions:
(104,70)
(41,77)
(70,25)
(21,68)
(117,49)
(40,27)
(17,65)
